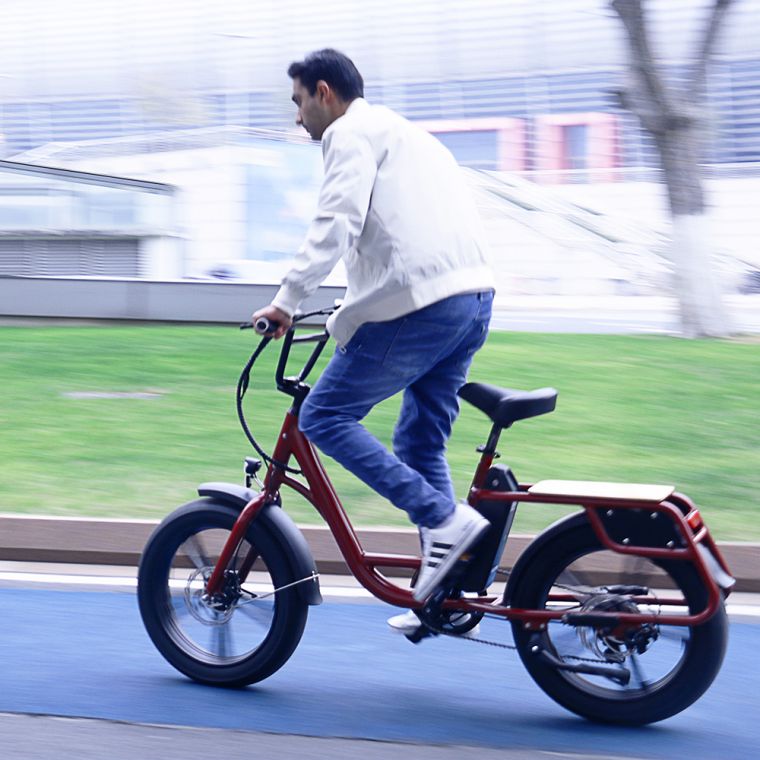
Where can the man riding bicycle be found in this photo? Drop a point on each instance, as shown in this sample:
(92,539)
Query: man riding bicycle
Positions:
(393,205)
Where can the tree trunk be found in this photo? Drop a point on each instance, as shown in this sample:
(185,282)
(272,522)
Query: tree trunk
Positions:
(676,124)
(696,281)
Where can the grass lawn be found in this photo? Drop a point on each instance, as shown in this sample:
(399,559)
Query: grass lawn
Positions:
(642,409)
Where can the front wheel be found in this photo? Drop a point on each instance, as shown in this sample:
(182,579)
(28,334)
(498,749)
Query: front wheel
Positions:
(669,667)
(241,635)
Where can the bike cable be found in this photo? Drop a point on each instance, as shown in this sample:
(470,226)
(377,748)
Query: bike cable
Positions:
(242,387)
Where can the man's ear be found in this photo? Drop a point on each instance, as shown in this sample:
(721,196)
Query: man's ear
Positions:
(323,90)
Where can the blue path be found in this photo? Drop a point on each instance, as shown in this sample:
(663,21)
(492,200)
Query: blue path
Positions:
(86,654)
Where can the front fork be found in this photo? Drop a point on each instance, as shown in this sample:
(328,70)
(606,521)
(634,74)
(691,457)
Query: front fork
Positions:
(215,583)
(269,494)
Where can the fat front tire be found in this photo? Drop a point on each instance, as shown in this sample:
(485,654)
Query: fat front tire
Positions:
(244,634)
(671,667)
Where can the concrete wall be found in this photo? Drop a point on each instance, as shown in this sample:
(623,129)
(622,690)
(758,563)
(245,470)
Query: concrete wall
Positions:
(83,540)
(185,301)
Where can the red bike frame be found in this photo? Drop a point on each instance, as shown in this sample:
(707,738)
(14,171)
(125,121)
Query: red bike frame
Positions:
(318,489)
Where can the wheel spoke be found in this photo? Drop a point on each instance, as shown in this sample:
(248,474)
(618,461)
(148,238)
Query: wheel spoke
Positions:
(565,638)
(196,553)
(245,557)
(259,613)
(635,662)
(575,579)
(673,633)
(635,571)
(179,605)
(221,640)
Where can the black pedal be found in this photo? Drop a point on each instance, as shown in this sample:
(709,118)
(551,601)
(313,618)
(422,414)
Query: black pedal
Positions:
(421,633)
(429,612)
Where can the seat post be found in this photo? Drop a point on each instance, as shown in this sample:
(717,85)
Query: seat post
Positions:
(487,454)
(493,440)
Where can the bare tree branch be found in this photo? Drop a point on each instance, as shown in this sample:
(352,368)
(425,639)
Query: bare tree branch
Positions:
(630,99)
(699,72)
(642,60)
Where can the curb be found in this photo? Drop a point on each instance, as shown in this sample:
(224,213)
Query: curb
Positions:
(99,541)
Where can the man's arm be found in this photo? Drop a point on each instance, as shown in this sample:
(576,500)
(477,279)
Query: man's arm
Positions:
(350,171)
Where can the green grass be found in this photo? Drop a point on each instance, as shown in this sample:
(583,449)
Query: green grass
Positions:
(642,409)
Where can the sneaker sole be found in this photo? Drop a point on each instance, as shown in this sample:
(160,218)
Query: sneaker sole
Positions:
(405,631)
(471,634)
(420,593)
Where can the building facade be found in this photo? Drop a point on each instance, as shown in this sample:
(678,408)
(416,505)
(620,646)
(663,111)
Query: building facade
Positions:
(518,86)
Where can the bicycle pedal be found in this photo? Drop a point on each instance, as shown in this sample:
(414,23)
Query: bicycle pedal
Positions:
(421,633)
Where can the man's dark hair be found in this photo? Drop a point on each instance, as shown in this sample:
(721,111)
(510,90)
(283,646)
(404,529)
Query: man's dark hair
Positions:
(336,69)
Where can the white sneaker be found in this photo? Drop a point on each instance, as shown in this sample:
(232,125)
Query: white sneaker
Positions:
(444,545)
(408,623)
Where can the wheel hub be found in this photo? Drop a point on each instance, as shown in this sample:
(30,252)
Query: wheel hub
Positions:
(618,643)
(211,609)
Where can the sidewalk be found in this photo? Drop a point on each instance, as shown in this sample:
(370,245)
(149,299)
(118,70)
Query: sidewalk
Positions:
(336,589)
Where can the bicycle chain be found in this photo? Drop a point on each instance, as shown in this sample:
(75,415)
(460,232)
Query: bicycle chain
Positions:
(439,631)
(499,645)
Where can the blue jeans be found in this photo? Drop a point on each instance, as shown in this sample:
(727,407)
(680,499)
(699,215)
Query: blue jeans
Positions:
(426,354)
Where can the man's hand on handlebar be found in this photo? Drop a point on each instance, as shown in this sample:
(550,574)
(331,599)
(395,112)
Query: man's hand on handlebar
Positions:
(277,318)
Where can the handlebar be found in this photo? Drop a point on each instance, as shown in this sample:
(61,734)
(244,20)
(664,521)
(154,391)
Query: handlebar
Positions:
(266,327)
(293,386)
(261,326)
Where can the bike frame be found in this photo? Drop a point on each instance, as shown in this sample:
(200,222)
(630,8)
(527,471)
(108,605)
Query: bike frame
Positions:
(292,445)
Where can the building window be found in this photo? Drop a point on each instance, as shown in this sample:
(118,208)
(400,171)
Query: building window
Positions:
(575,146)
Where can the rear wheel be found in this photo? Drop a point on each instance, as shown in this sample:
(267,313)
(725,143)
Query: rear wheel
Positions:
(669,667)
(242,634)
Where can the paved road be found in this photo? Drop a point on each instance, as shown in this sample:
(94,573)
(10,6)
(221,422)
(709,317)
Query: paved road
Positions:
(84,655)
(33,737)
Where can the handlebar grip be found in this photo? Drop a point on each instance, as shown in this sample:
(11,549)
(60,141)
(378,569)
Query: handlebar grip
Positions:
(264,326)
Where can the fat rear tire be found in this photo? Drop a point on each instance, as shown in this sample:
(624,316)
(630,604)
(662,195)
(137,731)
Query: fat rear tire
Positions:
(698,664)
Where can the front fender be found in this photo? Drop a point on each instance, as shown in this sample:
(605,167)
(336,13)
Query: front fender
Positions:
(279,524)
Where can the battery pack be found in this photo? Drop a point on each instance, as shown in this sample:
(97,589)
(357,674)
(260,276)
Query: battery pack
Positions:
(481,569)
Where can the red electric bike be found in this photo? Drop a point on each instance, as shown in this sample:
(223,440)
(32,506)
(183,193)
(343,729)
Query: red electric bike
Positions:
(617,611)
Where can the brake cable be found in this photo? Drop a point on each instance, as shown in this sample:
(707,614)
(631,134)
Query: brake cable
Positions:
(242,387)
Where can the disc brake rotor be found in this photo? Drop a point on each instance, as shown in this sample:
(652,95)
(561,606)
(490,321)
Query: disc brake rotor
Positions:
(216,610)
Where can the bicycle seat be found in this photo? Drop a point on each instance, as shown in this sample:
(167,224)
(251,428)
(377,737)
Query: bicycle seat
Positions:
(505,405)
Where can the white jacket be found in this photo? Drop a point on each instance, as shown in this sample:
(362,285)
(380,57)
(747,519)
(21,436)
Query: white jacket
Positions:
(395,206)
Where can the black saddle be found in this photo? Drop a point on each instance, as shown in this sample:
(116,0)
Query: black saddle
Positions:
(505,405)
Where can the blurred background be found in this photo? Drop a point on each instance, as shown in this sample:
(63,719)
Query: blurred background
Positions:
(152,171)
(156,140)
